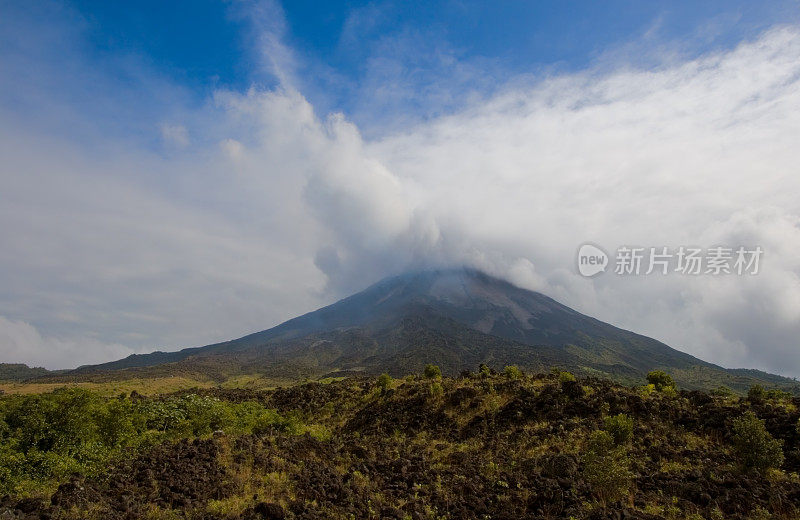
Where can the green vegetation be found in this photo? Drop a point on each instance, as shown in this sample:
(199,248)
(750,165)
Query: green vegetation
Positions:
(20,372)
(620,427)
(46,437)
(432,372)
(661,380)
(606,467)
(756,394)
(512,372)
(723,391)
(755,447)
(497,445)
(384,382)
(566,377)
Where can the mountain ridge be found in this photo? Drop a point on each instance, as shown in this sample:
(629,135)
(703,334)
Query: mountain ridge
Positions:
(456,318)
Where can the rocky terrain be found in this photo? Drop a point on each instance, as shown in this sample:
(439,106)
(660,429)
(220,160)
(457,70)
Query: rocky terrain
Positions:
(480,446)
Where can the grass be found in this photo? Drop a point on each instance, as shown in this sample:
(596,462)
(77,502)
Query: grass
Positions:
(148,387)
(112,388)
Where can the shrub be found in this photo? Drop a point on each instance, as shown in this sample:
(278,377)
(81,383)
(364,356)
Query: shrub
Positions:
(512,372)
(570,385)
(669,391)
(432,372)
(660,380)
(436,389)
(776,394)
(46,437)
(620,427)
(723,391)
(270,421)
(755,447)
(606,467)
(484,371)
(384,382)
(756,394)
(566,377)
(647,390)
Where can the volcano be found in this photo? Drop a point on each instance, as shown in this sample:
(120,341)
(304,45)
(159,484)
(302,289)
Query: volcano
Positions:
(455,318)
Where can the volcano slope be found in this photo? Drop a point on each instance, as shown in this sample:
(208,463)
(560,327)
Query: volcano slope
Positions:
(455,318)
(499,446)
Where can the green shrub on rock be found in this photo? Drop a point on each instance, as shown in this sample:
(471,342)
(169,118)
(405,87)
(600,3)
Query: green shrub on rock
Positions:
(566,377)
(384,382)
(660,380)
(723,391)
(756,394)
(432,372)
(755,447)
(620,427)
(512,372)
(606,468)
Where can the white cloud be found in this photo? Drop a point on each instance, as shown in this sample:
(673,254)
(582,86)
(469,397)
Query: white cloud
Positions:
(272,210)
(697,153)
(20,340)
(175,135)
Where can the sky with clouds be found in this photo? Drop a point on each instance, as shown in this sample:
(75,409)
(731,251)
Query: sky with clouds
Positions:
(176,175)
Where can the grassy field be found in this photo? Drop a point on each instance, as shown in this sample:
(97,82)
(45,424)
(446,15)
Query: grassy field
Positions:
(142,386)
(148,387)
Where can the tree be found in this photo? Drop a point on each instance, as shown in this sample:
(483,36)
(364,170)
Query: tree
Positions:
(660,380)
(606,467)
(512,372)
(755,447)
(432,372)
(566,377)
(756,394)
(384,381)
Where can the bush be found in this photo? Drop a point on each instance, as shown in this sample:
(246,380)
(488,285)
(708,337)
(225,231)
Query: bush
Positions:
(432,372)
(620,427)
(755,447)
(512,372)
(484,371)
(723,391)
(45,438)
(384,382)
(647,390)
(660,380)
(756,394)
(778,395)
(566,377)
(669,391)
(606,468)
(270,421)
(436,389)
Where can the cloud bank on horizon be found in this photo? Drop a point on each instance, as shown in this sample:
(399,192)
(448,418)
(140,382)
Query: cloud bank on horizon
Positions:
(136,217)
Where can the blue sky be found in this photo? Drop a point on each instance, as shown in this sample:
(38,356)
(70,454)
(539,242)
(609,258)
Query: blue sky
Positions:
(180,173)
(206,45)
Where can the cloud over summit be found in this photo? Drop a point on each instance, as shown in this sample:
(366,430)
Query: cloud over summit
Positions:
(256,207)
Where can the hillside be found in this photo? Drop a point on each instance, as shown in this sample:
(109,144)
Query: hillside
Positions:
(500,446)
(20,372)
(455,318)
